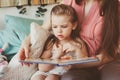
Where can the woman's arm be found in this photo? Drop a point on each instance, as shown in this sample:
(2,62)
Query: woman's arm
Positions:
(103,60)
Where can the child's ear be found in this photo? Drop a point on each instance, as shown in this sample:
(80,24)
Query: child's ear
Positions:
(75,24)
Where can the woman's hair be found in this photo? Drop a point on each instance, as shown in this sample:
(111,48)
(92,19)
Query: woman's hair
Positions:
(110,29)
(64,10)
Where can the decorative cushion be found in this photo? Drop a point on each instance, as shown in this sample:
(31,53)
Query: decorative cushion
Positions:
(17,28)
(38,37)
(19,23)
(13,38)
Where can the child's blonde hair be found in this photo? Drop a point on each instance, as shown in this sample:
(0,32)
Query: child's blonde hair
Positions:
(66,10)
(69,11)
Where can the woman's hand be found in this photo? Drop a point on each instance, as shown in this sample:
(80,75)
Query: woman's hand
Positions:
(24,50)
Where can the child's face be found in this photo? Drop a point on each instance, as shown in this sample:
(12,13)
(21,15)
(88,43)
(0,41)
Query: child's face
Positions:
(62,27)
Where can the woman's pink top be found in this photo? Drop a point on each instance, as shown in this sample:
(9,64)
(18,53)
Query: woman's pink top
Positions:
(91,25)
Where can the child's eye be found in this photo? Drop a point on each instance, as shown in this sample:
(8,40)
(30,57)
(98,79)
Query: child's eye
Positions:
(64,26)
(54,26)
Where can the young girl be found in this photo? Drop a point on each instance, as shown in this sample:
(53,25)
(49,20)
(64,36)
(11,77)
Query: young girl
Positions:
(64,41)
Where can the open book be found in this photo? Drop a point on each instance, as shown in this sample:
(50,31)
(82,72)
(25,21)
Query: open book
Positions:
(60,62)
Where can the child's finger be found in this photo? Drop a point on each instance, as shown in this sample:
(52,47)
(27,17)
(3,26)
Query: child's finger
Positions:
(67,57)
(27,50)
(21,54)
(68,50)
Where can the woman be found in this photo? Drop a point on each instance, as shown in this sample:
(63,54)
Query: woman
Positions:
(100,31)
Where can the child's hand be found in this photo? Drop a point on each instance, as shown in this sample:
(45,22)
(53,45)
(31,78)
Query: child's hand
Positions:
(66,57)
(71,47)
(58,51)
(78,50)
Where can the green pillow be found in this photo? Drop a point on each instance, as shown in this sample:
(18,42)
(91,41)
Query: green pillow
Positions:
(17,28)
(19,23)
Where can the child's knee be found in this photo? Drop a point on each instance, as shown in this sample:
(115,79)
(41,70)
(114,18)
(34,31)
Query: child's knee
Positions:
(52,77)
(38,76)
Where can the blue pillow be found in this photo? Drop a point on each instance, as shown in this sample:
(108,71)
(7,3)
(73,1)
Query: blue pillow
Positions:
(19,23)
(13,38)
(17,28)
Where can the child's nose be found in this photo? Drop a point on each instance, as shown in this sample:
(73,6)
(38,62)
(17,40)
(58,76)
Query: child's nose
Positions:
(59,30)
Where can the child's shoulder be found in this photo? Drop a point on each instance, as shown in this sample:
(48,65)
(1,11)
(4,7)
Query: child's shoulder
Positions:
(80,40)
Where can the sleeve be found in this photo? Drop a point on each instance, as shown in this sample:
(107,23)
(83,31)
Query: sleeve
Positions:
(97,34)
(93,41)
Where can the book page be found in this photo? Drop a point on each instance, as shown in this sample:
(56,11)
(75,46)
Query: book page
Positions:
(60,62)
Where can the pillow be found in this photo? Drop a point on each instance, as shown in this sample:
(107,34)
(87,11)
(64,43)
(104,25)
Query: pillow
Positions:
(17,28)
(19,23)
(38,37)
(14,41)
